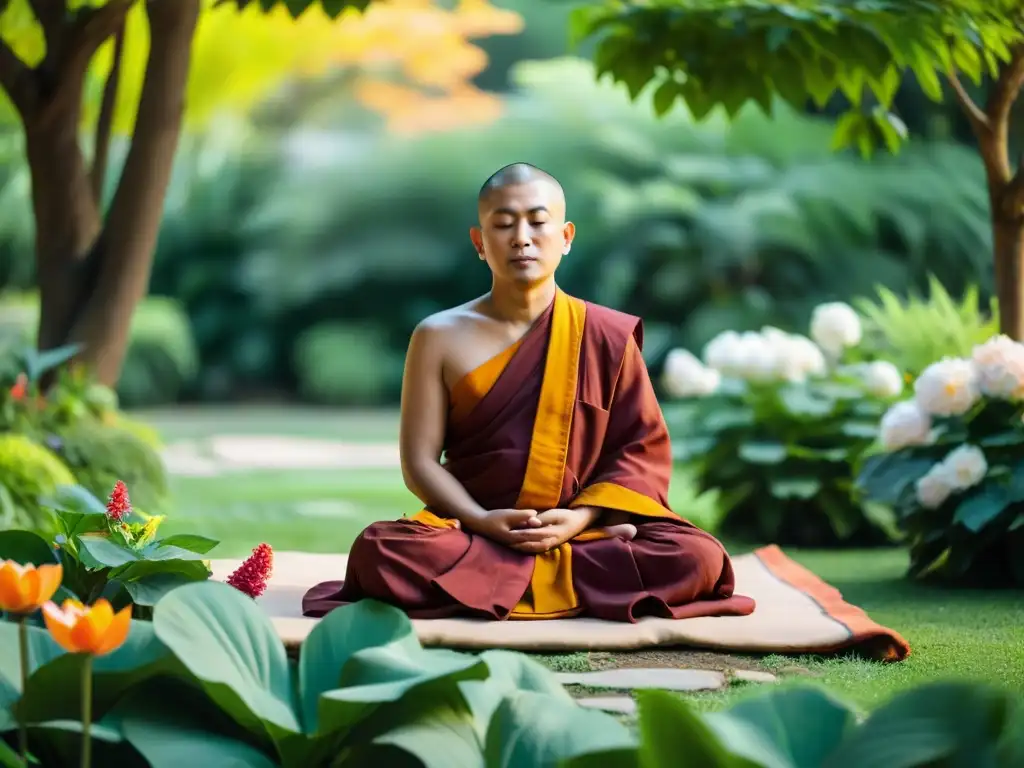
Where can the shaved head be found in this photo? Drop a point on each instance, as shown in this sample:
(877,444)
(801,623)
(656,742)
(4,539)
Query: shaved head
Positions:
(523,233)
(516,174)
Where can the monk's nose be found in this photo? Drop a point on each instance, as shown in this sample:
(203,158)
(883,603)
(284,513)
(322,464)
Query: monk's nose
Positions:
(521,235)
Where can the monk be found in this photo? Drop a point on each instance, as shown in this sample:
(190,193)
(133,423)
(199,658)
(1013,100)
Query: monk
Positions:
(551,498)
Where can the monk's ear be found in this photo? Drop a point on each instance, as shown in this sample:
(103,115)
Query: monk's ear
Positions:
(568,233)
(477,236)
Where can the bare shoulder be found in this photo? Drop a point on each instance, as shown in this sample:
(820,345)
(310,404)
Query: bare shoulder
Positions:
(442,329)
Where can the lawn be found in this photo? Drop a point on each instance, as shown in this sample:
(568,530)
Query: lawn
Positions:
(971,634)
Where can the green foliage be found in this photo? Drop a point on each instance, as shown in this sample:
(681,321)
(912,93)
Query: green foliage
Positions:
(697,227)
(343,364)
(28,472)
(712,53)
(917,331)
(123,561)
(958,494)
(99,454)
(161,361)
(208,680)
(775,424)
(780,457)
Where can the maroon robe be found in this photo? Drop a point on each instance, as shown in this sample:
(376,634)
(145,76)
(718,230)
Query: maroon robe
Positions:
(600,440)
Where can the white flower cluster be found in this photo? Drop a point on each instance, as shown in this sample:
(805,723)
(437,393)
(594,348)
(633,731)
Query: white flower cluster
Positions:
(951,387)
(964,467)
(771,355)
(686,376)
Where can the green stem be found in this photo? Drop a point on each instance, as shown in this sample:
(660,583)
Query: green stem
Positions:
(86,712)
(23,646)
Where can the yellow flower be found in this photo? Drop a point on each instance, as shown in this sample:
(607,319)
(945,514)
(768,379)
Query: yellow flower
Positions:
(95,629)
(25,588)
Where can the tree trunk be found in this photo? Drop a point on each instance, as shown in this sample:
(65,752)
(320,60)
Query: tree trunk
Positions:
(91,278)
(1008,242)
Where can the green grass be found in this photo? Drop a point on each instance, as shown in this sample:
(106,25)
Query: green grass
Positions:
(952,633)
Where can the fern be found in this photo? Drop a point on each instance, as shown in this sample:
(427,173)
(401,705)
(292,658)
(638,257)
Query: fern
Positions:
(915,332)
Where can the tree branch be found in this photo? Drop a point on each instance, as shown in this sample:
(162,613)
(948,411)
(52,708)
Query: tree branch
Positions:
(105,123)
(133,223)
(975,115)
(1006,88)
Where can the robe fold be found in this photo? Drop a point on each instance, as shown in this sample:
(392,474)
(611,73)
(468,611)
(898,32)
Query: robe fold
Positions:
(565,417)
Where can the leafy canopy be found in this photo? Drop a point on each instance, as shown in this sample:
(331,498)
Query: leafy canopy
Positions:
(242,49)
(726,52)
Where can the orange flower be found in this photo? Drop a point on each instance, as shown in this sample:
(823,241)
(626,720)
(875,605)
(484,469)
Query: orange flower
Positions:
(95,629)
(25,588)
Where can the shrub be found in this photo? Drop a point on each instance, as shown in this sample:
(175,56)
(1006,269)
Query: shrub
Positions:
(775,423)
(915,331)
(951,465)
(347,364)
(101,454)
(162,359)
(28,472)
(110,550)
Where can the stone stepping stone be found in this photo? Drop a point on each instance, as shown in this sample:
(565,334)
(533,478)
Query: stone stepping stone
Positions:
(622,705)
(664,679)
(753,676)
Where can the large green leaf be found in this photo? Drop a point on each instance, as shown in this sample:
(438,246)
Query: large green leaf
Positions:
(334,640)
(796,728)
(76,499)
(509,672)
(26,547)
(377,675)
(101,552)
(932,724)
(530,729)
(189,541)
(439,733)
(982,506)
(148,590)
(229,645)
(884,478)
(171,730)
(673,734)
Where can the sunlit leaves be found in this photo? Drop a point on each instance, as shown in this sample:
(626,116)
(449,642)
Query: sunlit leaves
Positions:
(724,53)
(415,57)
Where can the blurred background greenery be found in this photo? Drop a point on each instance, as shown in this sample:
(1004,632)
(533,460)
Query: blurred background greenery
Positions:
(302,241)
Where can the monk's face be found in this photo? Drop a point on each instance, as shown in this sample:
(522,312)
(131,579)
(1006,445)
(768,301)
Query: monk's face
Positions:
(523,233)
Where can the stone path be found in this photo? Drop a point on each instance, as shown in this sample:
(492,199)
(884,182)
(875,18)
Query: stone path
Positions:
(681,670)
(223,454)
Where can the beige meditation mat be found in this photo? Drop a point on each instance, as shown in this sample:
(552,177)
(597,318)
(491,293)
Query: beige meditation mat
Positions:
(796,612)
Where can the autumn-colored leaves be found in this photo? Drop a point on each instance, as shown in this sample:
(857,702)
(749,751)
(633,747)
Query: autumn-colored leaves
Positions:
(430,46)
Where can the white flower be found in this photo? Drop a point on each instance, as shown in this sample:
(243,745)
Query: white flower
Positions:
(1000,364)
(904,424)
(949,387)
(882,379)
(835,326)
(724,353)
(965,466)
(759,359)
(685,376)
(934,488)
